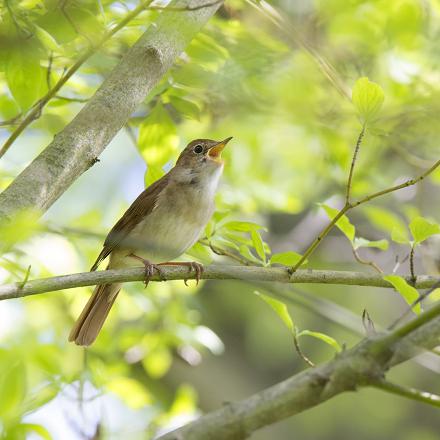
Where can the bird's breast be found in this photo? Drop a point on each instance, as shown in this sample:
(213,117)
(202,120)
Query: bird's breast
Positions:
(175,223)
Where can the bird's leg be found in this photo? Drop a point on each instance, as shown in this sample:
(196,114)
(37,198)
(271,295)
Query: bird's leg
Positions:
(149,268)
(192,266)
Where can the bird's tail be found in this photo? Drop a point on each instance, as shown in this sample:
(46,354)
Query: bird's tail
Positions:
(92,318)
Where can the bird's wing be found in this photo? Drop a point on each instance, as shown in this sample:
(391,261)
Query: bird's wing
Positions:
(138,210)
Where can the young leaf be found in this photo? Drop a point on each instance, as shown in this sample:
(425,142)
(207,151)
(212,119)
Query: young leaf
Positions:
(25,77)
(280,308)
(368,98)
(243,226)
(421,229)
(288,258)
(246,253)
(400,236)
(323,337)
(408,292)
(363,242)
(258,244)
(157,137)
(343,223)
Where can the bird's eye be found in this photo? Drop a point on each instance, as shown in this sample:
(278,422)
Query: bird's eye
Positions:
(198,149)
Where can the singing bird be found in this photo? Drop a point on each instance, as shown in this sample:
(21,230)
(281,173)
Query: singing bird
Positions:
(160,225)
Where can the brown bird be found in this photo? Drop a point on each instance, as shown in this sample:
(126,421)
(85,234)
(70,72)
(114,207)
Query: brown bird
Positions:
(160,225)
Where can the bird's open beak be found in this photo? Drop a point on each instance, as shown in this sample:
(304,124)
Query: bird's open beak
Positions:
(215,152)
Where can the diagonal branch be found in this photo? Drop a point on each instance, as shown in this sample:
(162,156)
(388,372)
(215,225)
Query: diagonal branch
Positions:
(214,272)
(76,147)
(348,206)
(363,365)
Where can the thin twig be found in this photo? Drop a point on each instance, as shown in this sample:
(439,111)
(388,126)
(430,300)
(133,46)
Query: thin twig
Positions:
(184,8)
(353,163)
(348,206)
(411,306)
(411,266)
(300,352)
(371,263)
(36,110)
(410,393)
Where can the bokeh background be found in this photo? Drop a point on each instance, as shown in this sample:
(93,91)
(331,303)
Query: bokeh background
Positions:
(277,76)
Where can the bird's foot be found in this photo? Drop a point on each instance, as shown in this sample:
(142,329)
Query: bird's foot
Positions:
(149,269)
(192,266)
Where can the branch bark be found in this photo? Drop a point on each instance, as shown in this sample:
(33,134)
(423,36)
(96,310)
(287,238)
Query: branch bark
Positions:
(77,146)
(363,365)
(214,272)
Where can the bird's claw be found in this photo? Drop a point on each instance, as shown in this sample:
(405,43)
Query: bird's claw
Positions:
(149,271)
(197,268)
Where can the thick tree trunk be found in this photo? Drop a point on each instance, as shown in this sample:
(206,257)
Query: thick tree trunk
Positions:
(77,146)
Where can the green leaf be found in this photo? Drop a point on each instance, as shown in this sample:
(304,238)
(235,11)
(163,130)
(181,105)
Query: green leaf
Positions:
(131,391)
(187,109)
(200,252)
(323,337)
(258,244)
(288,258)
(33,428)
(25,77)
(363,242)
(46,39)
(152,174)
(12,389)
(421,229)
(400,236)
(157,362)
(280,308)
(246,253)
(243,226)
(409,293)
(158,138)
(368,98)
(343,223)
(385,220)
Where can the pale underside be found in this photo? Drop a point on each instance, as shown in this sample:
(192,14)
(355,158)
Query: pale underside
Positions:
(180,214)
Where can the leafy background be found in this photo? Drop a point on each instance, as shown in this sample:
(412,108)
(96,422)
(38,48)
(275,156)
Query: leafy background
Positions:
(277,77)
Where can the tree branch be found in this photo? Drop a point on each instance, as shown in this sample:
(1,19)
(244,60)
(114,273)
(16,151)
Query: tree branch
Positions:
(76,147)
(410,393)
(348,206)
(363,365)
(214,272)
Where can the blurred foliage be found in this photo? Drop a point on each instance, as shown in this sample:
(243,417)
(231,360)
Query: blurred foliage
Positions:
(167,353)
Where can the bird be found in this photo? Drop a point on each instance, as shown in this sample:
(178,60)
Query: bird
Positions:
(164,221)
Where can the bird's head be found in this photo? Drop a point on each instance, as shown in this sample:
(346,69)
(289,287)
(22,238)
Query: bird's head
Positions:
(202,155)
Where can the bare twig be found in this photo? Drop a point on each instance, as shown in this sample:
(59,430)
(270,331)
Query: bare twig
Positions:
(410,393)
(348,206)
(353,163)
(371,263)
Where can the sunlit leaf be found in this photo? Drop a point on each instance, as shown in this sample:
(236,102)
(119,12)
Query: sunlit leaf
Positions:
(343,223)
(130,391)
(12,388)
(157,362)
(258,244)
(280,309)
(409,293)
(288,258)
(400,236)
(158,138)
(323,337)
(25,77)
(421,229)
(360,242)
(368,98)
(243,226)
